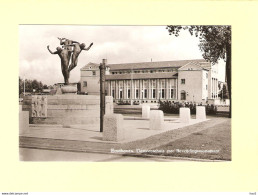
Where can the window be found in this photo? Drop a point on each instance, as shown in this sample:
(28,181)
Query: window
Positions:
(172,93)
(128,93)
(120,94)
(94,73)
(206,87)
(84,83)
(113,93)
(207,75)
(145,93)
(163,93)
(183,96)
(182,81)
(154,93)
(137,93)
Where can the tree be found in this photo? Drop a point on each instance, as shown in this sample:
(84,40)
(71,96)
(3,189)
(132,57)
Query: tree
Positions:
(215,43)
(30,85)
(45,86)
(223,94)
(21,85)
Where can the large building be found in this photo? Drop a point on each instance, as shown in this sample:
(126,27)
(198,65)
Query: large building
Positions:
(149,82)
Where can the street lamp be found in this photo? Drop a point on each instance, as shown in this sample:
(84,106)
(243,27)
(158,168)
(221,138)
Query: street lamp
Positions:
(24,86)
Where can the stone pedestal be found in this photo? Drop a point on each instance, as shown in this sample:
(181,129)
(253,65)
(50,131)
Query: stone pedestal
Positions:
(184,115)
(109,108)
(145,111)
(156,120)
(69,89)
(113,127)
(200,113)
(68,109)
(23,121)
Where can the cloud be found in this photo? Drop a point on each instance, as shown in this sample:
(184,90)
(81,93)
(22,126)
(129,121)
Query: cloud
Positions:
(118,44)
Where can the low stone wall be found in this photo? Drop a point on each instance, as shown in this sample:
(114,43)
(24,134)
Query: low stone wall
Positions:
(60,109)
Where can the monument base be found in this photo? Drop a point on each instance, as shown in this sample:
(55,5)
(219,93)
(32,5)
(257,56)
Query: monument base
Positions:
(69,89)
(67,109)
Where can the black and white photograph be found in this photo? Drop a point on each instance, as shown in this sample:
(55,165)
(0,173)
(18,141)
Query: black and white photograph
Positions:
(125,93)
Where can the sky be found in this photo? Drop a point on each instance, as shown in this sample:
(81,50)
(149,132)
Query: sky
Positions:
(117,44)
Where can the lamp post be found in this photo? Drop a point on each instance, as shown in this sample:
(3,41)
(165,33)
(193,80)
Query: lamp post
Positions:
(24,87)
(102,68)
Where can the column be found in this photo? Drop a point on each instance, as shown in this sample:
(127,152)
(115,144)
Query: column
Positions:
(108,87)
(124,89)
(212,88)
(111,88)
(167,85)
(214,81)
(140,89)
(176,89)
(116,90)
(149,90)
(217,83)
(132,89)
(157,89)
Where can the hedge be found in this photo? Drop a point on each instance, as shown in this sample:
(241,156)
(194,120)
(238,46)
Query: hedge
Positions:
(173,107)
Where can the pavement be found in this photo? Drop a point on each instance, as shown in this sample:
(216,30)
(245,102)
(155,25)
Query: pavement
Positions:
(135,128)
(84,142)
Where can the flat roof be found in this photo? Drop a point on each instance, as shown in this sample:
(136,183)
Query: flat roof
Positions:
(153,65)
(150,65)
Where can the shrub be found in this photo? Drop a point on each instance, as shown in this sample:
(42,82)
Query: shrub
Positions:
(173,107)
(123,103)
(136,103)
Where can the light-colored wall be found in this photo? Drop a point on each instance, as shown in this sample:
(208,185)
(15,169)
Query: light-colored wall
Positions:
(193,81)
(93,86)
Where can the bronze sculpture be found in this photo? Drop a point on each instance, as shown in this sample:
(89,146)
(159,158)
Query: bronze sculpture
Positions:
(69,48)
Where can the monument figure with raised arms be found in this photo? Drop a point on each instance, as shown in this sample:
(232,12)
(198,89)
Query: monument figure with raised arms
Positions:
(69,48)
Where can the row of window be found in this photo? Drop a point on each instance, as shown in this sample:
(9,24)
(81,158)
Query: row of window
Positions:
(144,71)
(144,94)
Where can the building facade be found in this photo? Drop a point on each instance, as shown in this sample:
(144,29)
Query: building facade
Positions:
(90,79)
(149,82)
